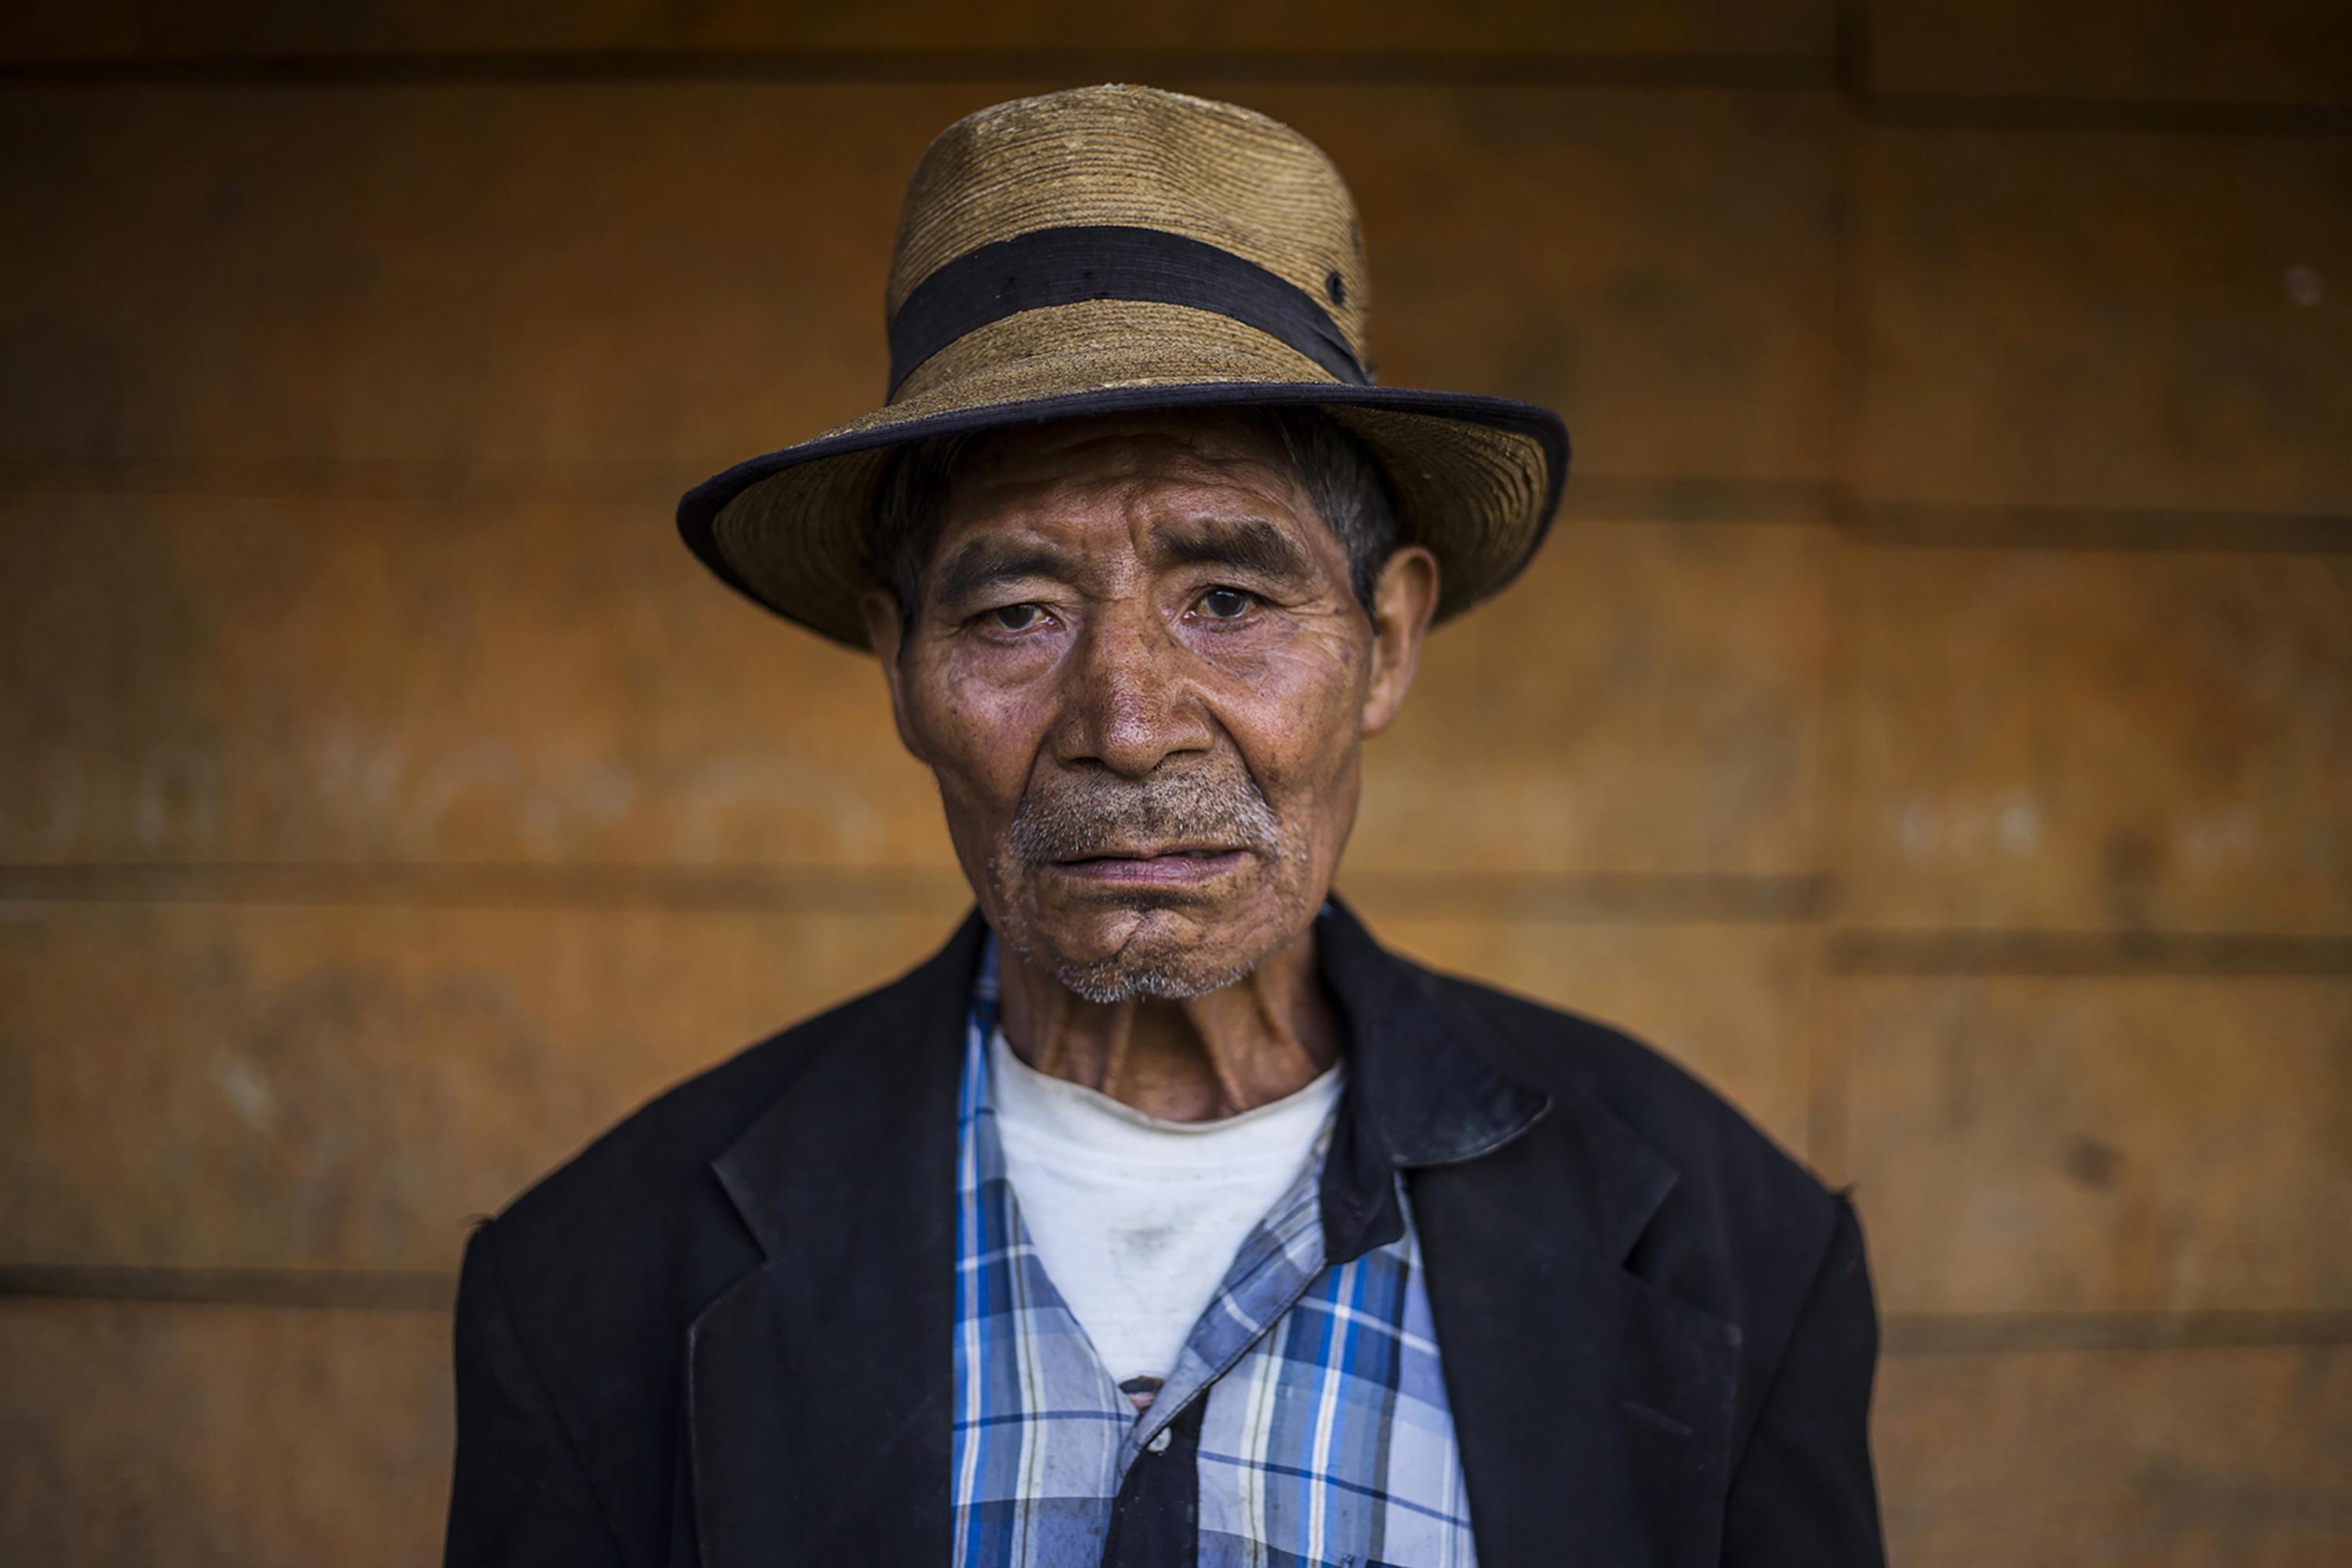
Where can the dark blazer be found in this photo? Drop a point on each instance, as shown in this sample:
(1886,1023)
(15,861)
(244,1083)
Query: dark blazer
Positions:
(722,1333)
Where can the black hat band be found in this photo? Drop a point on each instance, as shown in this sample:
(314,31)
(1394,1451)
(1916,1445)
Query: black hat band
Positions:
(1107,261)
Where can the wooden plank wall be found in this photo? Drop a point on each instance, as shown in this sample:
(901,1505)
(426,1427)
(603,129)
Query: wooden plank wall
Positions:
(1932,721)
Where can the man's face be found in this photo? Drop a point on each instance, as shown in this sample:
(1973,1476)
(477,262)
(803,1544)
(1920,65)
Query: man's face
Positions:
(1142,680)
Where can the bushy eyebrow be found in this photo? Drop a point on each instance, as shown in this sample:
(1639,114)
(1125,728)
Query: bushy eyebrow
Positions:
(1251,544)
(979,563)
(1245,543)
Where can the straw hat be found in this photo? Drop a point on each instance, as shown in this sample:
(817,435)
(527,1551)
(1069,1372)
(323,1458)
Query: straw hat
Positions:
(1116,248)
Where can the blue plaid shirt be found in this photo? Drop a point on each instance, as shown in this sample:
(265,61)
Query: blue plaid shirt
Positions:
(1324,1438)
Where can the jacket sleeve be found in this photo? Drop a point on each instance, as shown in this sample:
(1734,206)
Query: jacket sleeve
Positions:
(1804,1491)
(519,1496)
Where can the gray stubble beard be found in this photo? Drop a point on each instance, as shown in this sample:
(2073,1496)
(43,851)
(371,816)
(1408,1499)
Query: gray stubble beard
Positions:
(1086,817)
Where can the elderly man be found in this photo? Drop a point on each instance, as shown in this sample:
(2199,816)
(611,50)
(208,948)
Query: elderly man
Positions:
(1162,1217)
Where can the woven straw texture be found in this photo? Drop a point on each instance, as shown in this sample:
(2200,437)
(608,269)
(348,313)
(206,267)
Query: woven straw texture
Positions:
(1474,480)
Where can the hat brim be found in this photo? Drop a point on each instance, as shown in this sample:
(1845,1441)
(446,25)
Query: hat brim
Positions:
(1476,480)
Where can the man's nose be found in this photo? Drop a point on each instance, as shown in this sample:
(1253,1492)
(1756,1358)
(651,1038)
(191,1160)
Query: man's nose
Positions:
(1132,704)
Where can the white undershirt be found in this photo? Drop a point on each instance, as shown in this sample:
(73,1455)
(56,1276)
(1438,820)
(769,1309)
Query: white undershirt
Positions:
(1137,1219)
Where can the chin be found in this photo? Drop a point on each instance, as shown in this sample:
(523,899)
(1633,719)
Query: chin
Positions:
(1134,946)
(1164,967)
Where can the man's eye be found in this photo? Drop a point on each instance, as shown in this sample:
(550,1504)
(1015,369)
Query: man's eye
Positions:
(1226,603)
(1015,617)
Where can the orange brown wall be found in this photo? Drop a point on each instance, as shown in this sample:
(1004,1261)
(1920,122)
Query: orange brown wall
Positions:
(1931,719)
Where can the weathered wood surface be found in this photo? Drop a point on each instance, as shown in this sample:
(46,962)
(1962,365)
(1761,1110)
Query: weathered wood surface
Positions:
(217,1436)
(2136,1144)
(2078,54)
(2084,739)
(2173,1458)
(2110,320)
(316,1088)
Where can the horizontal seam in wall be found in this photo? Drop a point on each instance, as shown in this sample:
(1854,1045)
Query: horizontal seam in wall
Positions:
(1929,952)
(370,1289)
(1436,894)
(777,889)
(1824,73)
(1593,498)
(1437,67)
(2164,117)
(1938,525)
(1969,1333)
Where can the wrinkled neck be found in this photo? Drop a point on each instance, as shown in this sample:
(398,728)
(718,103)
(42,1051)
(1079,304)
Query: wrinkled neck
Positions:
(1261,1038)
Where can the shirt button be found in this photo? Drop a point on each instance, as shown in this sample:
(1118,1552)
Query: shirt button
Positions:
(1159,1443)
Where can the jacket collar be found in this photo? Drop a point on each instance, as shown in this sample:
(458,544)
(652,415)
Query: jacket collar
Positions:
(821,1384)
(1417,1096)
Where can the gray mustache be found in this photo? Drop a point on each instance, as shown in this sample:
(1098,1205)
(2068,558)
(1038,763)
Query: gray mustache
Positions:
(1076,819)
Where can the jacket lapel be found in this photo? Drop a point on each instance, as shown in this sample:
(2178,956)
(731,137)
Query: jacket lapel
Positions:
(821,1384)
(1592,1410)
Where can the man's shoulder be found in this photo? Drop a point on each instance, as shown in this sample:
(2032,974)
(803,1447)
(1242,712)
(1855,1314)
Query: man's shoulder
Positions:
(666,1145)
(1753,1201)
(644,1188)
(1642,1083)
(586,1282)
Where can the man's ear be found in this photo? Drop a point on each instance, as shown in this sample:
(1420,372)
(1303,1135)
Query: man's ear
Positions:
(1402,602)
(879,607)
